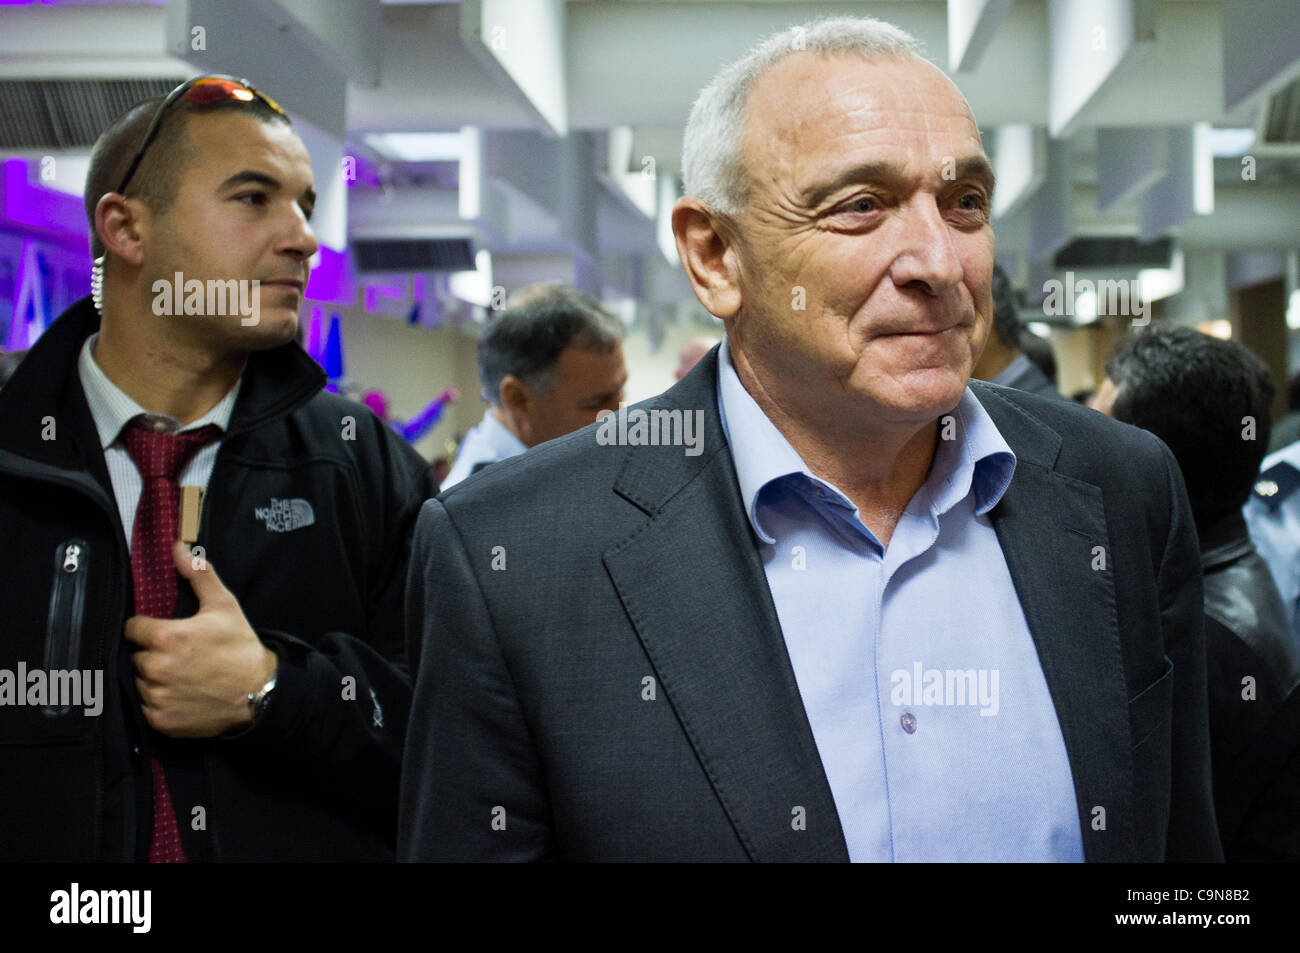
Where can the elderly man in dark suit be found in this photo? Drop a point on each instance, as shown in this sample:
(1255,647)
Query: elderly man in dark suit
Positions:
(825,599)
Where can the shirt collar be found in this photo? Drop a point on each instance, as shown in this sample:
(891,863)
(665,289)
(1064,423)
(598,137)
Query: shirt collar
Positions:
(1290,455)
(977,458)
(498,436)
(112,409)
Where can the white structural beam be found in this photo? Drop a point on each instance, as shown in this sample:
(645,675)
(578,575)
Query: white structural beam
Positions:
(521,42)
(556,175)
(1051,210)
(1092,43)
(1187,188)
(423,212)
(1129,161)
(1020,164)
(259,41)
(971,25)
(630,177)
(346,33)
(85,41)
(1261,47)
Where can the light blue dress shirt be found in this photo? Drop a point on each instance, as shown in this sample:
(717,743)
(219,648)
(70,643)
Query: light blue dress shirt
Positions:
(915,664)
(1273,518)
(487,442)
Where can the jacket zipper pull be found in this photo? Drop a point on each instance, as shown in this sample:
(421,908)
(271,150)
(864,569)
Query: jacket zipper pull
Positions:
(71,558)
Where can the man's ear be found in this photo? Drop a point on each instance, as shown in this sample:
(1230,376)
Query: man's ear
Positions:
(515,396)
(516,405)
(118,225)
(706,248)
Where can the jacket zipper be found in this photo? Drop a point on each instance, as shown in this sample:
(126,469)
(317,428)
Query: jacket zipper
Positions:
(87,487)
(67,612)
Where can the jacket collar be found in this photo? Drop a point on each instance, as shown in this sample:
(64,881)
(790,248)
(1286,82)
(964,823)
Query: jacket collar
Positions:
(1224,540)
(46,384)
(695,589)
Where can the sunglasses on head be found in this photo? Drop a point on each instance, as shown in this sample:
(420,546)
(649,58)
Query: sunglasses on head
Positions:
(202,91)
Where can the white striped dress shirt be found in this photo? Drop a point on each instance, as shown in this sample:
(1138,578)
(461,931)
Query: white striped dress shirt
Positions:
(112,410)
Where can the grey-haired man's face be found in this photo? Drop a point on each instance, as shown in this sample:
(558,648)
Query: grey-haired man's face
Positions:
(865,249)
(583,382)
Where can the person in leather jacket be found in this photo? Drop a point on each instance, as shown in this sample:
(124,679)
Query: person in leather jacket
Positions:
(1210,401)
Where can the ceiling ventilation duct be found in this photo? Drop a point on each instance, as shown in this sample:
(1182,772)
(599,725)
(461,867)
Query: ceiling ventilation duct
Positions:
(67,115)
(373,256)
(1278,133)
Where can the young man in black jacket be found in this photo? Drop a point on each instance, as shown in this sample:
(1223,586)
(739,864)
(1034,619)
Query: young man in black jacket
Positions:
(156,709)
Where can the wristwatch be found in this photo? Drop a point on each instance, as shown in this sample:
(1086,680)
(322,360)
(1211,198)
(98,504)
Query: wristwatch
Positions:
(259,700)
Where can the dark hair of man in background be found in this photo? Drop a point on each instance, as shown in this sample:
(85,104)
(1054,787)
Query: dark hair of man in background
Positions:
(1006,319)
(158,178)
(526,339)
(1193,391)
(1040,352)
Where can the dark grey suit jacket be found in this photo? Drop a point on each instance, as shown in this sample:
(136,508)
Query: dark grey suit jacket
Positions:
(602,676)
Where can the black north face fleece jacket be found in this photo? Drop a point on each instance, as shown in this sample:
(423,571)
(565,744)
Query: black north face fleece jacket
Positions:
(307,520)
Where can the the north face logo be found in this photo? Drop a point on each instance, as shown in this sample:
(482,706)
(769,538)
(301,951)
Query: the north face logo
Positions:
(283,516)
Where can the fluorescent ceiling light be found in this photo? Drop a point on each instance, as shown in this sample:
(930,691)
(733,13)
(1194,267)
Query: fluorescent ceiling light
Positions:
(416,146)
(1220,328)
(1202,169)
(470,196)
(1085,307)
(1042,328)
(664,220)
(1157,283)
(1231,142)
(474,286)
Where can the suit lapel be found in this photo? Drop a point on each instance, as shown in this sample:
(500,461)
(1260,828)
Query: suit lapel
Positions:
(695,590)
(1050,526)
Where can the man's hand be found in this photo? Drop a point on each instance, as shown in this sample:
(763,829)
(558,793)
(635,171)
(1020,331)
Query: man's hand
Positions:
(194,675)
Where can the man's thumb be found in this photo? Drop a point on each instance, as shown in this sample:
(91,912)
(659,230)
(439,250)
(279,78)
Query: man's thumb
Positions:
(198,572)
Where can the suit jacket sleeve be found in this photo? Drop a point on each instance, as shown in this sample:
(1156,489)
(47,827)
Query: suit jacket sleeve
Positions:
(1193,831)
(472,785)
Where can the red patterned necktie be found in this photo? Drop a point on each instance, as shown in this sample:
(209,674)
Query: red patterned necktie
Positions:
(160,458)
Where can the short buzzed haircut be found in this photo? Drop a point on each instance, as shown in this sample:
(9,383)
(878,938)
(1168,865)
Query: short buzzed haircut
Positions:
(158,178)
(713,168)
(1193,391)
(525,341)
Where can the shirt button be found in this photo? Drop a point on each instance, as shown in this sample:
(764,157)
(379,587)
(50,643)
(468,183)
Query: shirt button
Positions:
(908,721)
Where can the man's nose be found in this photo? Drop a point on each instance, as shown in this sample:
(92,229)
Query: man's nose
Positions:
(298,239)
(927,257)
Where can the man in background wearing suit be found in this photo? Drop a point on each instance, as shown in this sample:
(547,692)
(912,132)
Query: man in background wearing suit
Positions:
(549,364)
(875,613)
